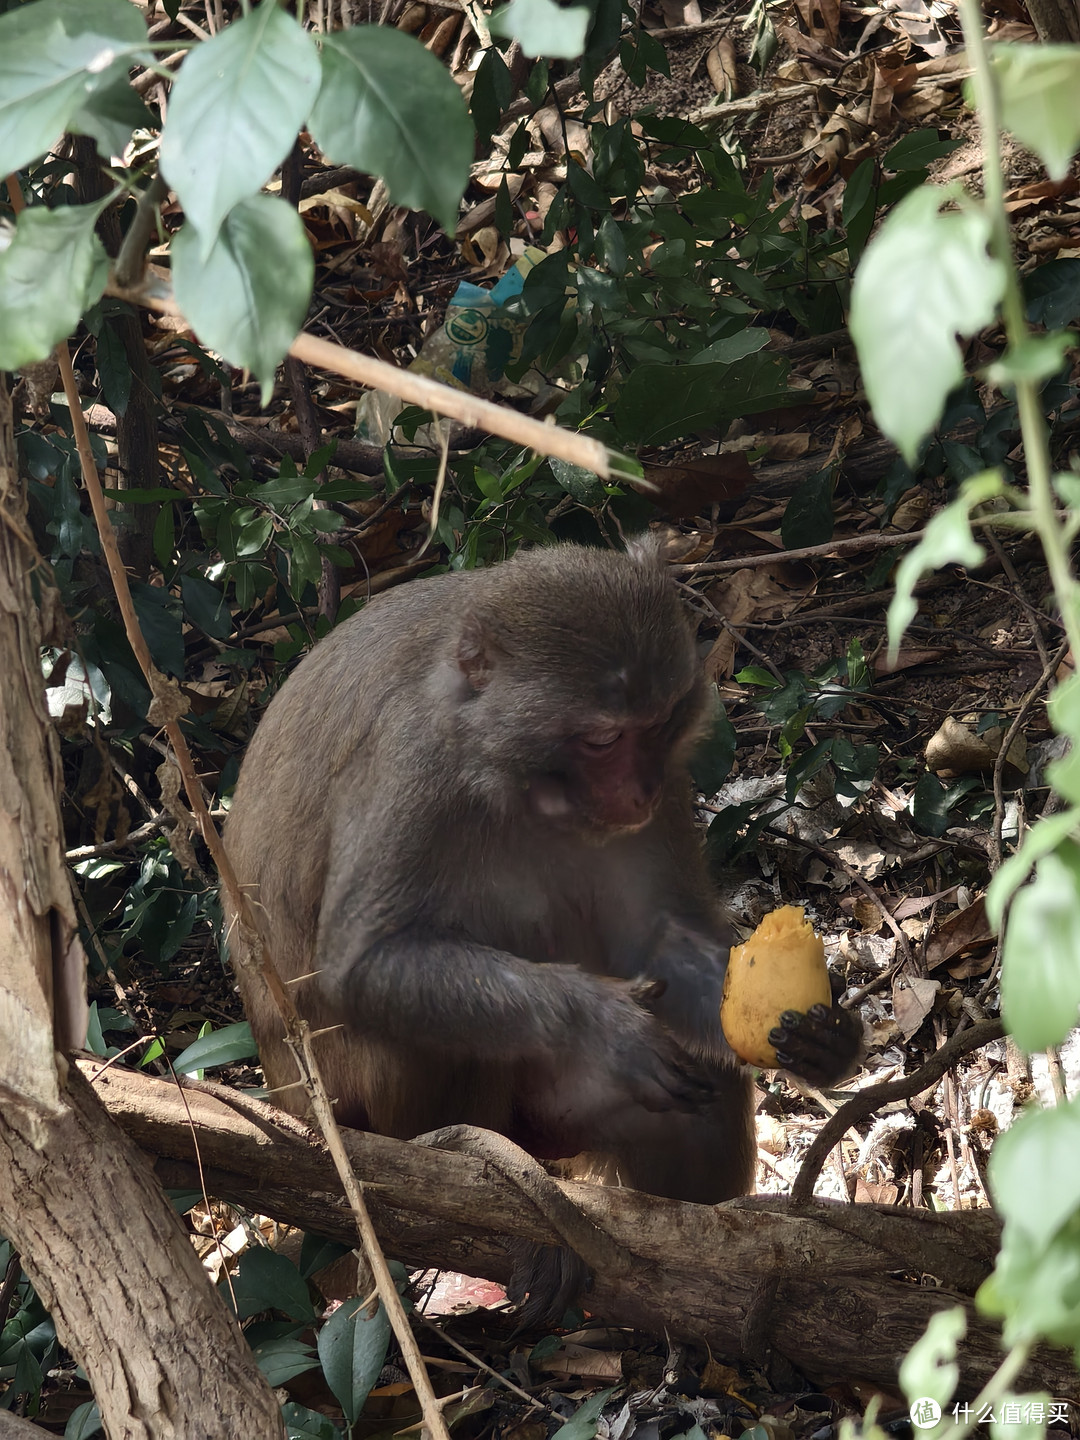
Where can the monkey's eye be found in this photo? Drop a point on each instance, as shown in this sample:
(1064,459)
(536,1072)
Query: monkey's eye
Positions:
(600,739)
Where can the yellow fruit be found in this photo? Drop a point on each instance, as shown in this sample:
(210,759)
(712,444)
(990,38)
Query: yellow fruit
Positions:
(781,967)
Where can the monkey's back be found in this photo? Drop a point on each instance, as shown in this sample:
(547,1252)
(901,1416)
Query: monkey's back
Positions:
(280,827)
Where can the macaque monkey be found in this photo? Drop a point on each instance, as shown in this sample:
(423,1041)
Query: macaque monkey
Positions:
(469,812)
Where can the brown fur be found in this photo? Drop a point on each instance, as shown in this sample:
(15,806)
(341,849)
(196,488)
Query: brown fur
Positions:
(423,827)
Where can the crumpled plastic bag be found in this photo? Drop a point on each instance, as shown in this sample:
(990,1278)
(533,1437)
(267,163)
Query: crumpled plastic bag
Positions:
(470,350)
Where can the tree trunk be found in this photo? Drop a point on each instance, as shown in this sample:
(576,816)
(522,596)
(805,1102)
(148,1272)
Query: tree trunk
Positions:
(96,1235)
(816,1285)
(112,1264)
(1057,22)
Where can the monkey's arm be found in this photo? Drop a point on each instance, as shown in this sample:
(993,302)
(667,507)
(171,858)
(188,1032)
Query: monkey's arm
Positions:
(471,999)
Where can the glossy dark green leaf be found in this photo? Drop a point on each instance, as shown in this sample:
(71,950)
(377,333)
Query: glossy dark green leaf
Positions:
(282,1359)
(808,517)
(714,753)
(269,1281)
(159,619)
(220,1047)
(352,1348)
(663,402)
(1052,293)
(304,1424)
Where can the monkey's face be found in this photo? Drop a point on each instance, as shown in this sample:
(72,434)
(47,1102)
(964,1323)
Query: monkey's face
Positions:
(577,686)
(607,780)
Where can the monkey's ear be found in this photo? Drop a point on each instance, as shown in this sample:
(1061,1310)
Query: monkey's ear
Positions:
(477,651)
(646,548)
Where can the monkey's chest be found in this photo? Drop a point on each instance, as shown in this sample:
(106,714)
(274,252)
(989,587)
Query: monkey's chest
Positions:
(553,912)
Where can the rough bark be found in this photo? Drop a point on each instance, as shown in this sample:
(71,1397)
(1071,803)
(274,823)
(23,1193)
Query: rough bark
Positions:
(818,1285)
(1056,21)
(42,1004)
(104,1248)
(113,1265)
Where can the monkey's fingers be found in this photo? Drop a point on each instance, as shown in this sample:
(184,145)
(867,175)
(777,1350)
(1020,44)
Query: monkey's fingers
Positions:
(671,1080)
(822,1046)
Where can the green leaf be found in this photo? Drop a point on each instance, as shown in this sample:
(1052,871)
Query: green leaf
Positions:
(249,298)
(611,245)
(205,606)
(1040,100)
(493,89)
(808,518)
(1035,1287)
(746,341)
(543,28)
(917,150)
(1063,710)
(112,112)
(662,402)
(52,272)
(1035,1171)
(947,540)
(714,754)
(234,112)
(268,1281)
(1052,293)
(304,1424)
(925,277)
(859,207)
(1039,841)
(1040,953)
(281,1360)
(389,107)
(931,802)
(305,563)
(53,56)
(585,1420)
(154,495)
(220,1047)
(352,1348)
(114,369)
(84,1421)
(582,484)
(159,619)
(95,1040)
(1035,359)
(929,1369)
(756,675)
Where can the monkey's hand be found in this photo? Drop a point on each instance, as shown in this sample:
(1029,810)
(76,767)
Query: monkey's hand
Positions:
(821,1046)
(648,1067)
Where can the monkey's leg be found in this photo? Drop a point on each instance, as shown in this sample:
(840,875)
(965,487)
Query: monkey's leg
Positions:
(551,1275)
(704,1158)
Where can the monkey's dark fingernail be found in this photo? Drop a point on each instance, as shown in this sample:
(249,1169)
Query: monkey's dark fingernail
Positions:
(778,1036)
(784,1060)
(791,1018)
(818,1012)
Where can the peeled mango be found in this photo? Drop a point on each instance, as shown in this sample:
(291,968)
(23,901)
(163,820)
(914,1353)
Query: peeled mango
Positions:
(781,967)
